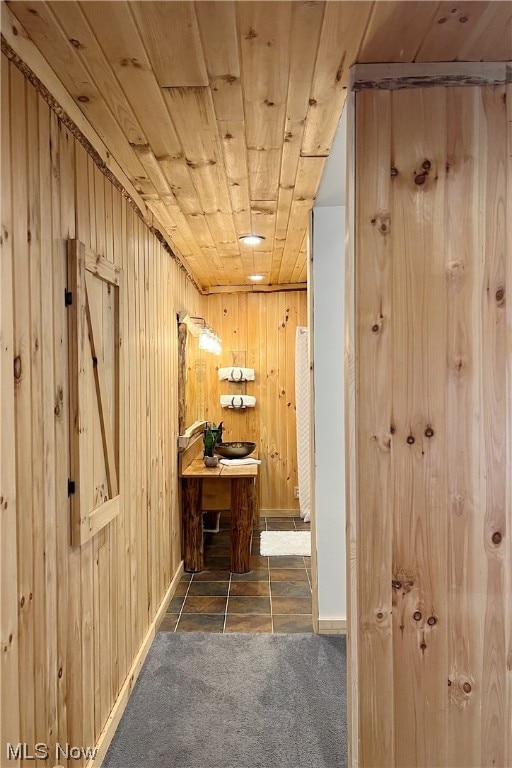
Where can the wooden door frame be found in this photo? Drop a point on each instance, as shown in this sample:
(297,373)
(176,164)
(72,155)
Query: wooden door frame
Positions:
(311,357)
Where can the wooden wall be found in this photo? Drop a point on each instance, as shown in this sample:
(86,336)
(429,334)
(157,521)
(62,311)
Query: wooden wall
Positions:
(430,543)
(73,619)
(260,329)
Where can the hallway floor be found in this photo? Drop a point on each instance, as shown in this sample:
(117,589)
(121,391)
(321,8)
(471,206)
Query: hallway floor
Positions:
(274,597)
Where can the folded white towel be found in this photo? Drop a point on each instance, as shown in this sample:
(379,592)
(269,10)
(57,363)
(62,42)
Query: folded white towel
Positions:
(236,374)
(237,401)
(238,462)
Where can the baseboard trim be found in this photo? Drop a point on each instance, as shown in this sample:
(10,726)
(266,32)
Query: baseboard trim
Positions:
(120,703)
(332,626)
(279,512)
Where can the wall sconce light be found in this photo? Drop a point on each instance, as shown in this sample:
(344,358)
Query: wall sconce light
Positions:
(209,340)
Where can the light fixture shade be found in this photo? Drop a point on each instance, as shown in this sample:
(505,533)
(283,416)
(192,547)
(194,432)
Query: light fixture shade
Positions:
(210,341)
(256,278)
(251,239)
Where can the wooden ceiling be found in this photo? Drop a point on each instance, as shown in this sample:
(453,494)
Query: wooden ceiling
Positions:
(222,114)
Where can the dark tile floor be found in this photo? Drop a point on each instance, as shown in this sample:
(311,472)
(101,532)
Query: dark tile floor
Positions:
(275,596)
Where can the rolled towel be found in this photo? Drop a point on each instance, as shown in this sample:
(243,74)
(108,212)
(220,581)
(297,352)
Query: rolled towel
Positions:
(238,462)
(236,374)
(237,401)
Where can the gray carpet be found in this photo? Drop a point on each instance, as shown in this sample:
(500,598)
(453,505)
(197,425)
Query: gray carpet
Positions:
(207,700)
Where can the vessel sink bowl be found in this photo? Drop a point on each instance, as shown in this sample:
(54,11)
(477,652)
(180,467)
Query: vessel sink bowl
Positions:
(234,450)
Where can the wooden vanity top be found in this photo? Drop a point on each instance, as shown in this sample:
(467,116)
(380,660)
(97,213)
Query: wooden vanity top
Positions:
(191,464)
(197,469)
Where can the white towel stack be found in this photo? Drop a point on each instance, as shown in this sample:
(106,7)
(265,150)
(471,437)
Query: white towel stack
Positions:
(236,374)
(238,462)
(237,401)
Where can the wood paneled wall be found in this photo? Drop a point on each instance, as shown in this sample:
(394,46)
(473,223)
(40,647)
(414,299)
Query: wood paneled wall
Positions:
(431,539)
(260,329)
(73,619)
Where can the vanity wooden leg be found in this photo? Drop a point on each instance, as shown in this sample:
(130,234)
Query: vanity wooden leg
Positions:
(242,511)
(193,549)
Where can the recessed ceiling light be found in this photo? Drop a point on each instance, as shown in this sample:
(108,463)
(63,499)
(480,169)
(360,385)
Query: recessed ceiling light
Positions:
(251,239)
(256,277)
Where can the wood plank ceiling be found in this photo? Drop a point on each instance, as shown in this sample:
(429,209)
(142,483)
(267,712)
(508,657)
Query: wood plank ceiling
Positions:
(222,114)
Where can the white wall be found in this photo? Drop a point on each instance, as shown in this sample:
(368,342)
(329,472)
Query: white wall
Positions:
(329,344)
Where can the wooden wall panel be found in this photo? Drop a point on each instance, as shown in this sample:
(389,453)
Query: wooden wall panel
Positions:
(259,328)
(9,618)
(73,618)
(433,511)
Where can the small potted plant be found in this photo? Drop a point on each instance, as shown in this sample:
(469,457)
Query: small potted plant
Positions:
(209,441)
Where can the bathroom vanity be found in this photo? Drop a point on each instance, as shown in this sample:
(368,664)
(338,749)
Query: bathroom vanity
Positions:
(240,482)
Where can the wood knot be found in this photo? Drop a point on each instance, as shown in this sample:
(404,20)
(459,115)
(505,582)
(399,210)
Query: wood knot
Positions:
(131,63)
(416,616)
(75,43)
(375,328)
(431,621)
(269,103)
(423,646)
(312,102)
(83,99)
(449,682)
(22,601)
(463,19)
(500,297)
(383,227)
(455,270)
(429,432)
(17,368)
(426,165)
(420,178)
(442,21)
(392,429)
(380,615)
(394,171)
(496,537)
(410,439)
(59,673)
(466,688)
(251,35)
(373,221)
(396,584)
